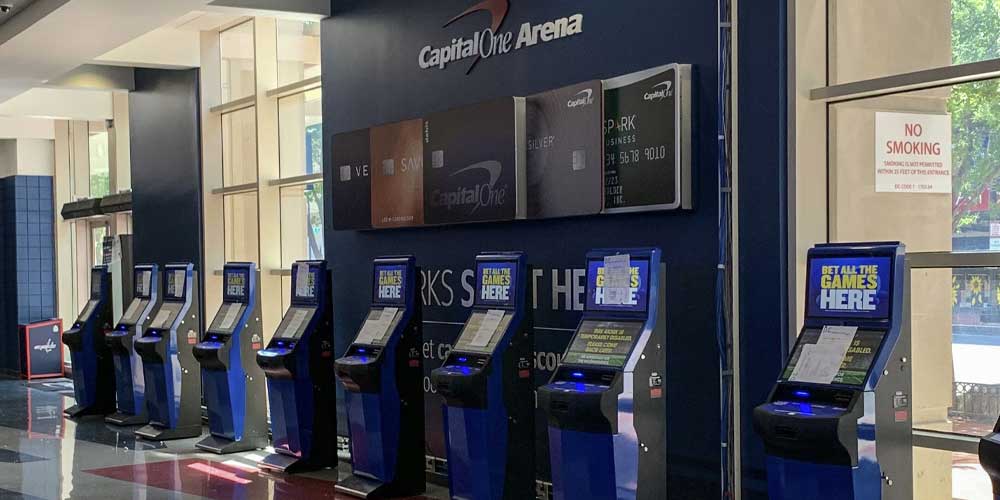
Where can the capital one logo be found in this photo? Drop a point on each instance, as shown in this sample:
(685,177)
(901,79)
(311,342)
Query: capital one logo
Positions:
(660,91)
(47,347)
(490,41)
(483,195)
(584,97)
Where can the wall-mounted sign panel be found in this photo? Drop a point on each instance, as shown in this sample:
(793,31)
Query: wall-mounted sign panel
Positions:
(565,151)
(352,181)
(912,153)
(397,174)
(474,160)
(647,140)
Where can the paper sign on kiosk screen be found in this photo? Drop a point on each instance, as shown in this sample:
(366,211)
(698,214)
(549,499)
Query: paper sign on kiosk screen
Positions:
(631,298)
(849,287)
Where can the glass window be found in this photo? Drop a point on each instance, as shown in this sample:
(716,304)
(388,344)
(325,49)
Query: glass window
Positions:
(239,147)
(240,221)
(301,223)
(298,51)
(100,163)
(236,46)
(300,130)
(97,234)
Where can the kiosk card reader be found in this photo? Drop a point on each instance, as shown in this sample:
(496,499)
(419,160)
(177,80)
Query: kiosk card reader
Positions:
(382,373)
(128,365)
(837,422)
(606,402)
(231,380)
(170,372)
(93,369)
(487,387)
(298,363)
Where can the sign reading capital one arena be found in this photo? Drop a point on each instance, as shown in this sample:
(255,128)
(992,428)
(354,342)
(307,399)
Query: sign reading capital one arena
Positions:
(491,41)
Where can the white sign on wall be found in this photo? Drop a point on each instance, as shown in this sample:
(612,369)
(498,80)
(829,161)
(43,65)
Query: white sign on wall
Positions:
(912,153)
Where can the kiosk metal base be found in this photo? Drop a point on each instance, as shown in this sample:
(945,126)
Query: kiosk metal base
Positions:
(278,462)
(362,487)
(83,411)
(154,432)
(125,419)
(223,446)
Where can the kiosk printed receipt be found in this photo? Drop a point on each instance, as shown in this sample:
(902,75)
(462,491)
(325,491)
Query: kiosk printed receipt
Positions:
(820,363)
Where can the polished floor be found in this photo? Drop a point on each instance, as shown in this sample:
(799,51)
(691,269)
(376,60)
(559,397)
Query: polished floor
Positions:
(44,455)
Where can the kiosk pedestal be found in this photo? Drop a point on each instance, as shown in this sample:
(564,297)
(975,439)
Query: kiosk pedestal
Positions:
(837,422)
(232,382)
(298,364)
(606,404)
(382,375)
(93,368)
(129,385)
(170,372)
(487,387)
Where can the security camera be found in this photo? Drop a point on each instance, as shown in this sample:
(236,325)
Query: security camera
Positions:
(5,8)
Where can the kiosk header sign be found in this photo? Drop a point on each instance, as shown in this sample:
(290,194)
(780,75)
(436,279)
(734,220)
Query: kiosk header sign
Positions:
(617,283)
(912,153)
(849,287)
(496,283)
(236,284)
(389,281)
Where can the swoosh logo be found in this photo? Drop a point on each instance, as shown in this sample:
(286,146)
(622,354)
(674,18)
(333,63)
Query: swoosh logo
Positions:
(588,92)
(666,82)
(492,167)
(498,10)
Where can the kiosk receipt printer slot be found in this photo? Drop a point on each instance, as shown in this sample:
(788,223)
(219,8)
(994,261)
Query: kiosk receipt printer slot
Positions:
(606,402)
(232,382)
(121,340)
(382,375)
(93,369)
(837,422)
(298,363)
(487,388)
(170,372)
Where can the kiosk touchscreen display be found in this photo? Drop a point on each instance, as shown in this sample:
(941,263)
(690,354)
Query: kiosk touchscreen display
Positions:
(304,280)
(849,287)
(175,283)
(856,362)
(134,310)
(143,280)
(295,322)
(388,284)
(165,316)
(496,284)
(617,283)
(605,343)
(483,330)
(226,319)
(378,326)
(87,311)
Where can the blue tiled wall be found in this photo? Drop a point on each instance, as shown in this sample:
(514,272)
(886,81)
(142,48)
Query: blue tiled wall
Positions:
(27,267)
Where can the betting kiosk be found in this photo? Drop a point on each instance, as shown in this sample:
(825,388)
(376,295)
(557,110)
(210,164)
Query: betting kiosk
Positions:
(837,422)
(487,387)
(232,382)
(606,404)
(129,385)
(382,375)
(298,364)
(170,372)
(93,369)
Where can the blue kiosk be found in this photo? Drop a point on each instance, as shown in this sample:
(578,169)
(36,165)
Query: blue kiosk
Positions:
(170,372)
(836,425)
(486,382)
(298,364)
(93,368)
(382,373)
(606,402)
(128,365)
(231,380)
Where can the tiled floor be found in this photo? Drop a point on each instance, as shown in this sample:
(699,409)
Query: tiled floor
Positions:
(45,455)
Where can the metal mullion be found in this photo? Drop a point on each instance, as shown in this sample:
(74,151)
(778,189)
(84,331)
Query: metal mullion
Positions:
(908,82)
(297,180)
(952,260)
(946,441)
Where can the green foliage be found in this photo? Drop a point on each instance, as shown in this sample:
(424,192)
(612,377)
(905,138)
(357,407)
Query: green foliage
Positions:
(975,111)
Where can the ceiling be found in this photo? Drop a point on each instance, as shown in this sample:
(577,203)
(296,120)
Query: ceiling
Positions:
(17,6)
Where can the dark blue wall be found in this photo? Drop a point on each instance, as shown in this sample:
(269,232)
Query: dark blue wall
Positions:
(27,260)
(371,76)
(763,221)
(165,129)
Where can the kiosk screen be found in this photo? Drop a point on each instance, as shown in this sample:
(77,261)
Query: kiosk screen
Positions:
(237,281)
(497,282)
(388,285)
(143,280)
(175,283)
(228,316)
(854,365)
(87,311)
(483,331)
(617,283)
(134,310)
(849,287)
(304,286)
(378,326)
(606,343)
(295,322)
(165,316)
